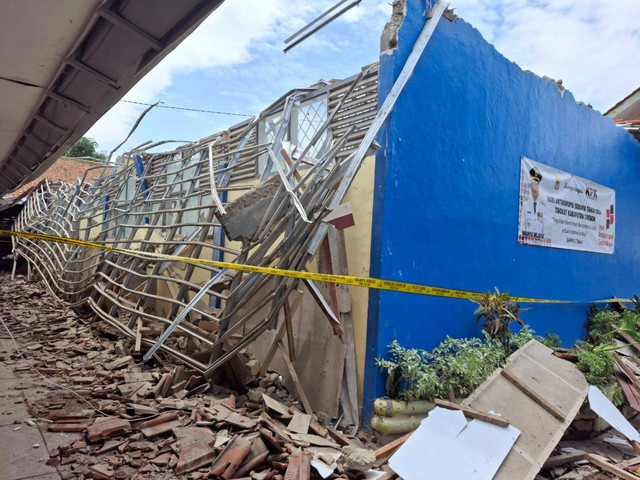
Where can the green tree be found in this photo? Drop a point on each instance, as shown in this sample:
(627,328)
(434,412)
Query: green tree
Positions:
(85,147)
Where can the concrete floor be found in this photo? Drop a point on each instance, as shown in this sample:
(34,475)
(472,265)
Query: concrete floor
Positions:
(19,459)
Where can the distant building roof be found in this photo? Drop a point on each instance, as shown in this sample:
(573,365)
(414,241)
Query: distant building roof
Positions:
(626,113)
(69,170)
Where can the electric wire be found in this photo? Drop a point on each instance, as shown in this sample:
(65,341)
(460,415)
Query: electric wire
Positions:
(57,385)
(50,382)
(161,105)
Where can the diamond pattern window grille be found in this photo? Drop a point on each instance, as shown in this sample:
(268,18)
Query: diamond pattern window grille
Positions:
(271,126)
(308,119)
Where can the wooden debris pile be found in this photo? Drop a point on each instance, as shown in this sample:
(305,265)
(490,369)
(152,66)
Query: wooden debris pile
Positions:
(163,422)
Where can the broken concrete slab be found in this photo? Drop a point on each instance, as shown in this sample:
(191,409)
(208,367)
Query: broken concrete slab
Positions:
(244,215)
(359,459)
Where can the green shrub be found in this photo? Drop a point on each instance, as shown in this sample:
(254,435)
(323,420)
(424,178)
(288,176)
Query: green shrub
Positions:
(600,324)
(526,334)
(615,394)
(596,364)
(409,374)
(551,340)
(463,364)
(456,366)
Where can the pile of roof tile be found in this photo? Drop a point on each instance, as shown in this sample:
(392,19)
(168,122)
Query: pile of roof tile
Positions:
(163,421)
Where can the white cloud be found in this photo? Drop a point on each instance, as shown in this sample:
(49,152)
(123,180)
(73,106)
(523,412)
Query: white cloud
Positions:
(233,34)
(223,39)
(592,45)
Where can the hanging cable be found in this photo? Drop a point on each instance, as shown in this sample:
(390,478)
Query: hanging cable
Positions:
(46,380)
(160,105)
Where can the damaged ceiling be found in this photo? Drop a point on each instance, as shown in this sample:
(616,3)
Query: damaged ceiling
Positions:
(65,63)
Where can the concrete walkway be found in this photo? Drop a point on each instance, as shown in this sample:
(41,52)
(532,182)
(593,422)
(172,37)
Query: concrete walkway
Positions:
(20,459)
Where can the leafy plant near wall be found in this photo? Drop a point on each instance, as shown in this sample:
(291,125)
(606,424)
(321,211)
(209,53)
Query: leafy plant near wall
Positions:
(594,354)
(603,326)
(409,374)
(455,367)
(596,364)
(526,333)
(600,324)
(497,312)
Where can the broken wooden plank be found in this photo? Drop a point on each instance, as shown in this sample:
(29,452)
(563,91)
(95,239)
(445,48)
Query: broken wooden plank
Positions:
(324,306)
(349,389)
(565,458)
(341,438)
(313,440)
(281,331)
(627,371)
(296,381)
(609,467)
(299,467)
(471,413)
(391,447)
(278,430)
(533,395)
(138,343)
(557,380)
(629,339)
(313,425)
(287,159)
(289,326)
(630,392)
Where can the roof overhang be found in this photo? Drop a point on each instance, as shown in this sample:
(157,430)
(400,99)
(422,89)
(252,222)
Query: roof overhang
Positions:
(626,113)
(627,109)
(65,63)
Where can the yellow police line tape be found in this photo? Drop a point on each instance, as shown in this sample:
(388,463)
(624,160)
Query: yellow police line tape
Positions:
(366,282)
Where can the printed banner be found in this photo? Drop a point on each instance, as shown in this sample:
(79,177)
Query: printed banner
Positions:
(560,210)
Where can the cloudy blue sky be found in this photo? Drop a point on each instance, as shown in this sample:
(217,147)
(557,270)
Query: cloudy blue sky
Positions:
(234,62)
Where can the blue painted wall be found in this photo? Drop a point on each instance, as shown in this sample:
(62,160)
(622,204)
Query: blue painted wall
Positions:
(446,193)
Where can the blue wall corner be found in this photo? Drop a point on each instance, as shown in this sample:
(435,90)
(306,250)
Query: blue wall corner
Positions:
(446,193)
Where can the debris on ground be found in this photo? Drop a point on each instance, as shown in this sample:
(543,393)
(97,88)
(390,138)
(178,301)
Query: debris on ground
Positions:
(127,419)
(158,420)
